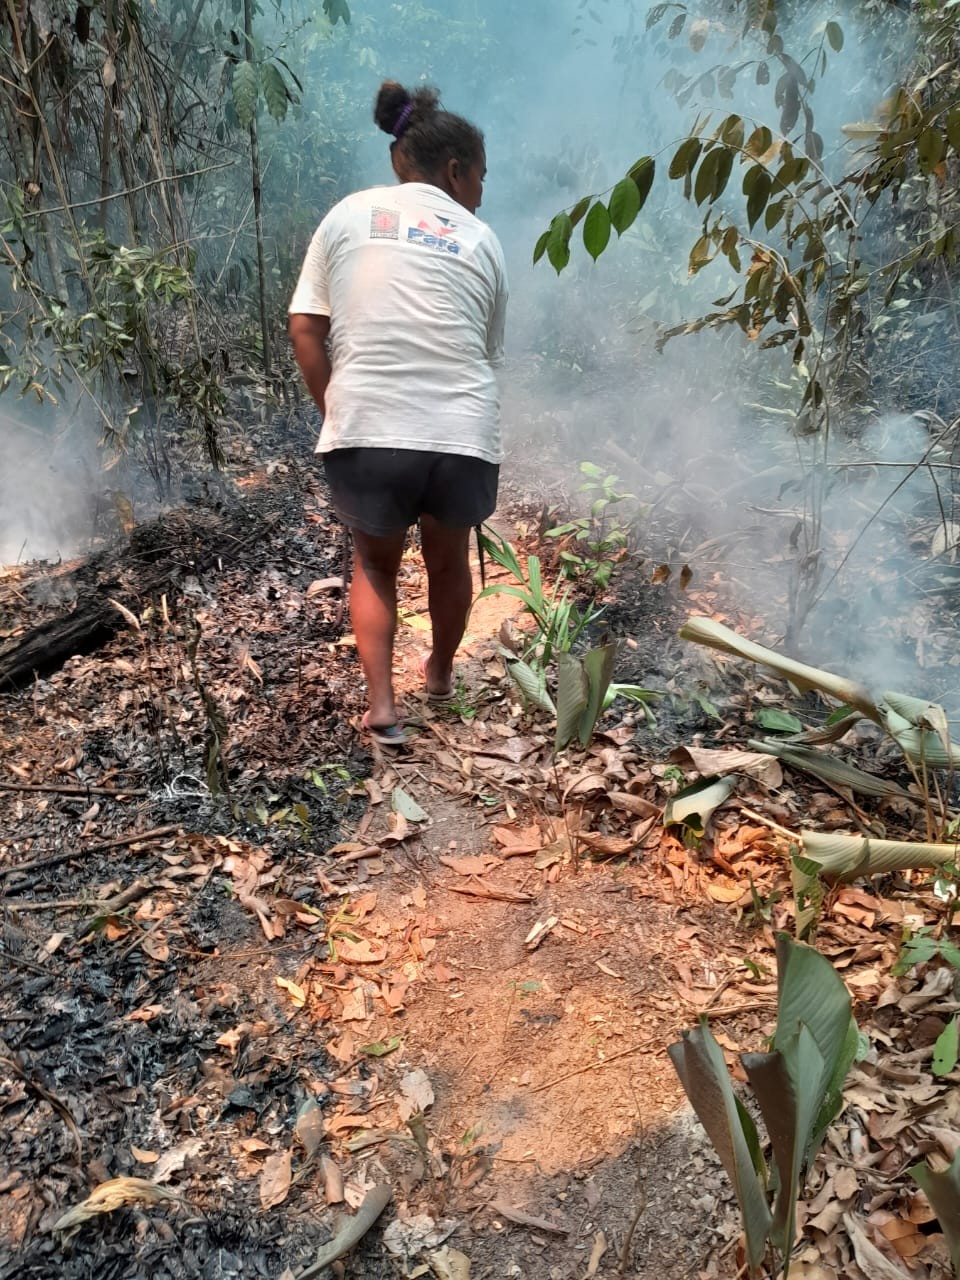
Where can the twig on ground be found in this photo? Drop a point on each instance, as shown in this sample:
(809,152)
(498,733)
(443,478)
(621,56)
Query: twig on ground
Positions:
(595,1066)
(73,789)
(768,822)
(374,1203)
(638,1214)
(527,1219)
(57,859)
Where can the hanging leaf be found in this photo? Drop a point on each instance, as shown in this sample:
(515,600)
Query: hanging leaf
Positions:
(579,209)
(930,149)
(558,241)
(541,246)
(596,231)
(685,158)
(274,90)
(624,204)
(245,93)
(337,11)
(835,36)
(642,174)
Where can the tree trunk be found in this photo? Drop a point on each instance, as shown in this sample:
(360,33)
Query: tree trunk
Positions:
(257,213)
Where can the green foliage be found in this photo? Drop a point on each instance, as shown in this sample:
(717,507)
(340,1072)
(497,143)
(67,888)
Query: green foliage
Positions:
(921,947)
(593,545)
(559,622)
(798,1085)
(246,91)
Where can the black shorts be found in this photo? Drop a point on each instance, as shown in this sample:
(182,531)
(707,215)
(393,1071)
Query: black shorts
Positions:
(385,491)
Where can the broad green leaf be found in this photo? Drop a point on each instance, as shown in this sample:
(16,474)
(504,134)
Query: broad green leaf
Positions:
(850,857)
(596,230)
(943,1192)
(731,132)
(698,1061)
(930,149)
(245,93)
(759,142)
(811,994)
(531,683)
(758,197)
(624,204)
(642,174)
(558,241)
(947,1049)
(953,128)
(598,667)
(832,1103)
(835,36)
(572,694)
(694,806)
(274,90)
(706,178)
(579,209)
(685,158)
(380,1048)
(541,246)
(787,1084)
(405,804)
(828,768)
(778,721)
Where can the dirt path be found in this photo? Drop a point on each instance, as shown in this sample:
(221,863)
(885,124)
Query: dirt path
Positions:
(251,1009)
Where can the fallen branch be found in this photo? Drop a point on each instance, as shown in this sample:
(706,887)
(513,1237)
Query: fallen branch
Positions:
(73,789)
(352,1231)
(57,859)
(527,1219)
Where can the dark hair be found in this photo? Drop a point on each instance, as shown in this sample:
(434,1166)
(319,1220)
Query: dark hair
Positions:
(425,136)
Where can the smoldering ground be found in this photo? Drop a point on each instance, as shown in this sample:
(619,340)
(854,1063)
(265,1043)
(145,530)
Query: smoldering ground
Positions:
(569,95)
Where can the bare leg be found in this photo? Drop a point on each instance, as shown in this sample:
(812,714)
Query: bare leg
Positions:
(450,591)
(373,612)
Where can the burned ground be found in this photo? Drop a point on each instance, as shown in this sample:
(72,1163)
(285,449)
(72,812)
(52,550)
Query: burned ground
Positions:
(224,917)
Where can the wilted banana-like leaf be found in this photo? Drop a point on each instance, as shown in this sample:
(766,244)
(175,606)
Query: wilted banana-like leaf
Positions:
(532,684)
(598,667)
(572,697)
(828,768)
(943,1192)
(811,994)
(787,1087)
(920,729)
(694,806)
(849,857)
(117,1193)
(716,636)
(698,1061)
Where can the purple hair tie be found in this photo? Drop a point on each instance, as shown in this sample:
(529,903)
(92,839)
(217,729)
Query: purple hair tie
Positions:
(402,121)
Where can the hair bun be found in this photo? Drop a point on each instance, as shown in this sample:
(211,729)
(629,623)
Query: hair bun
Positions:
(393,98)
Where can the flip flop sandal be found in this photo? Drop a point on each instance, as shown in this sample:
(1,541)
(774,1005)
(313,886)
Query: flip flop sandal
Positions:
(435,697)
(387,735)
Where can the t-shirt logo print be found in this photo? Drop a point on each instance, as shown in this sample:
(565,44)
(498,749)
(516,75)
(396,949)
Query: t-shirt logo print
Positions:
(436,234)
(384,224)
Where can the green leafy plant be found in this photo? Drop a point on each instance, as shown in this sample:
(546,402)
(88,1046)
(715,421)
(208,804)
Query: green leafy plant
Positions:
(592,546)
(798,1086)
(559,621)
(921,947)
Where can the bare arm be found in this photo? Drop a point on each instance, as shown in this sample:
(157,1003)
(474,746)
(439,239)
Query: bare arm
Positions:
(309,336)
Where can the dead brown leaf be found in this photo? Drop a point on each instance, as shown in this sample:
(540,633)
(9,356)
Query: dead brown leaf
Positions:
(275,1179)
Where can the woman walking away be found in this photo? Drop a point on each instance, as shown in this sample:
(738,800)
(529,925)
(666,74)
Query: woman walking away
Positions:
(410,288)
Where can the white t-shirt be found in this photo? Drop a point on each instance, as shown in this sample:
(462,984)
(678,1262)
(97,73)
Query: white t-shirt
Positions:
(416,290)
